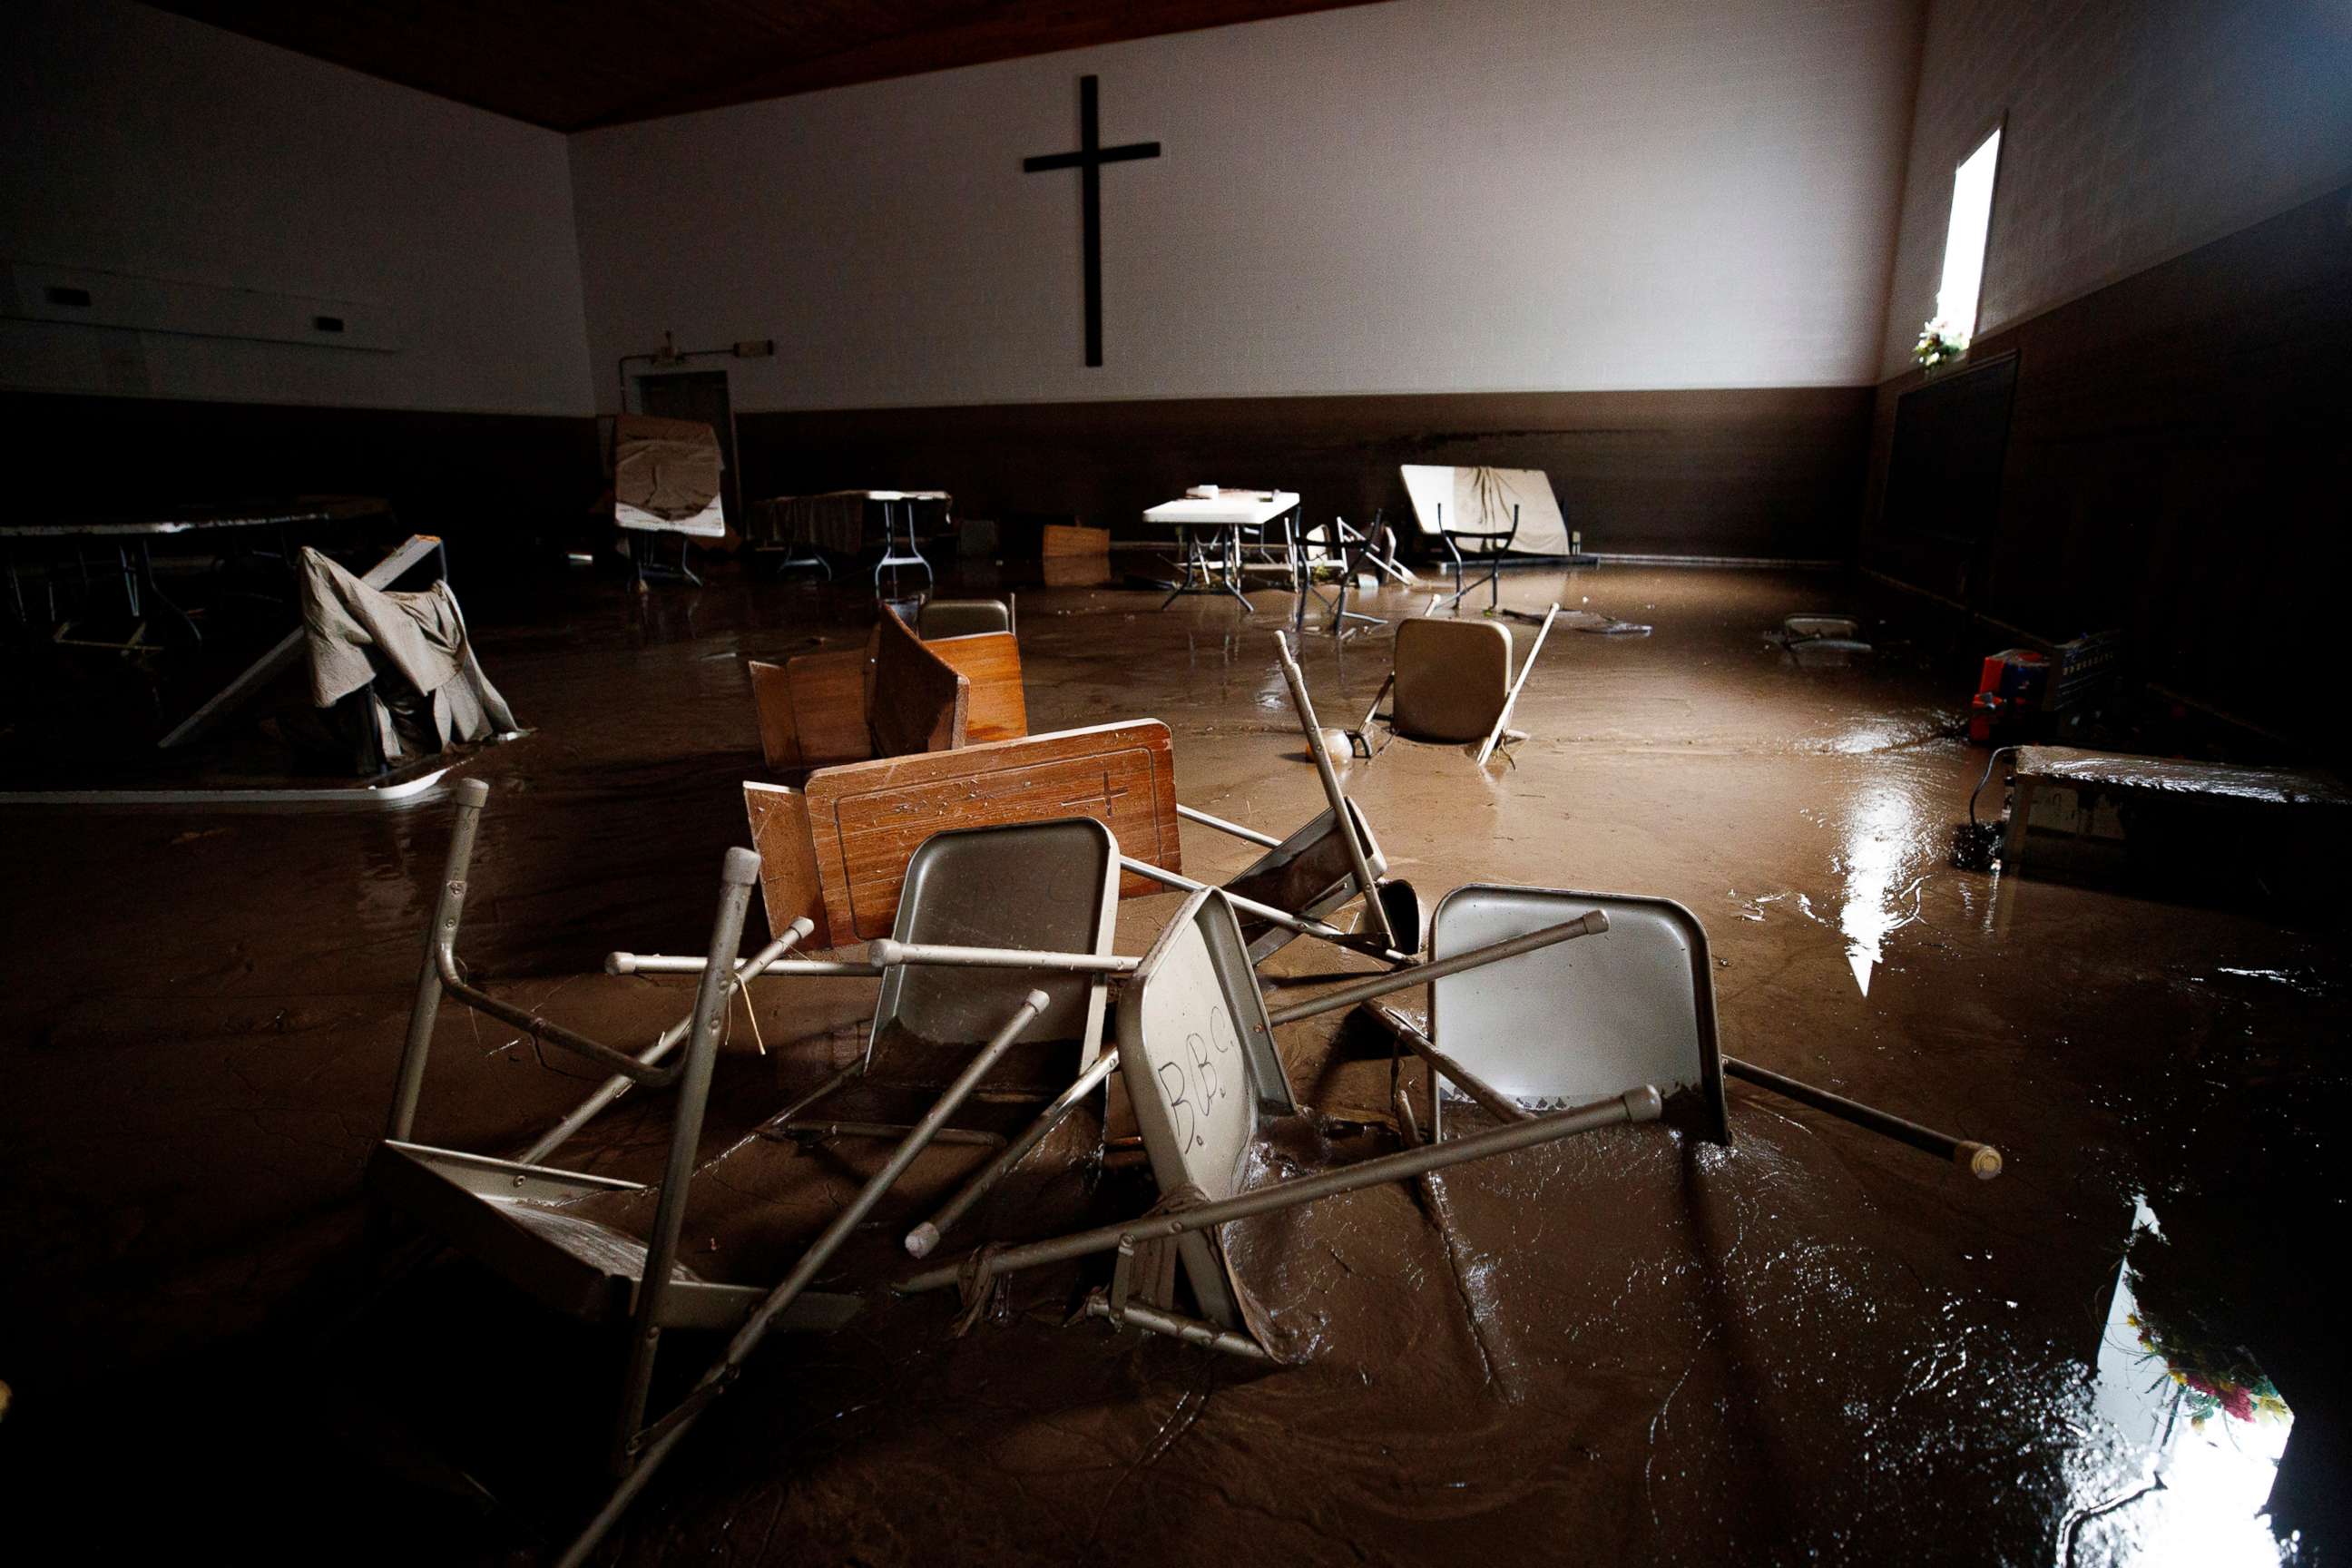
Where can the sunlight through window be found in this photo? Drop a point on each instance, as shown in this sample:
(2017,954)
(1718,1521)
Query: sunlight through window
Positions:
(1964,240)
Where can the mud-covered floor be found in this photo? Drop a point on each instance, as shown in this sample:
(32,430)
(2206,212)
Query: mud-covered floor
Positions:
(1628,1347)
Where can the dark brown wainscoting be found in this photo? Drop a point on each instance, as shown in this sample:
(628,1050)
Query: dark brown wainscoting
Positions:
(2179,462)
(490,483)
(1773,472)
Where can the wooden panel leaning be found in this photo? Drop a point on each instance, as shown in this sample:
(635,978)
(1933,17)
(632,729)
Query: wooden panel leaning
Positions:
(895,696)
(837,850)
(1075,557)
(788,876)
(771,698)
(813,708)
(919,702)
(992,662)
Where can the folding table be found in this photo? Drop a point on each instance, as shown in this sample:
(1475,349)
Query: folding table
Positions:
(1210,536)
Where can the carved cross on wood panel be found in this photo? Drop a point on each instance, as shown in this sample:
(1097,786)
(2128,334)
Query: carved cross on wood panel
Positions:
(1088,160)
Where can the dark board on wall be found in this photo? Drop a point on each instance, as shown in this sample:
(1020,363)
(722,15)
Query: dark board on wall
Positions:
(1951,435)
(1770,472)
(2177,466)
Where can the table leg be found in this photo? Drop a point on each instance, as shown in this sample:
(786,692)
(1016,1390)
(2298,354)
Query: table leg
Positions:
(1185,547)
(154,590)
(17,591)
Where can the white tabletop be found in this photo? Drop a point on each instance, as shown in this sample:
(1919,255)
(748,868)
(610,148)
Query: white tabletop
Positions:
(870,495)
(318,509)
(1245,508)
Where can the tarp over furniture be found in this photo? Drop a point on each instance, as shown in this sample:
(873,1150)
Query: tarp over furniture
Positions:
(408,651)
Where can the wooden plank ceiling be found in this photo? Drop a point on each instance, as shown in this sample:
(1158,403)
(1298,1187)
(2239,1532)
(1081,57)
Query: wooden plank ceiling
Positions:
(571,66)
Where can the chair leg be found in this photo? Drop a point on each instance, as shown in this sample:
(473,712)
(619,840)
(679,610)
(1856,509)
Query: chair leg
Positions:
(710,1005)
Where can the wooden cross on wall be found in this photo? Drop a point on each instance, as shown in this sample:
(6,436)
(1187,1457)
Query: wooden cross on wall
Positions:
(1088,161)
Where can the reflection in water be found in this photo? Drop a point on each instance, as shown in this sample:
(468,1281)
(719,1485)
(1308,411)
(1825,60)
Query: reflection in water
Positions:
(1202,648)
(1880,899)
(2207,1428)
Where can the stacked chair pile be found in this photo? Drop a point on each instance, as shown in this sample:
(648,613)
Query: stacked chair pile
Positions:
(1002,1009)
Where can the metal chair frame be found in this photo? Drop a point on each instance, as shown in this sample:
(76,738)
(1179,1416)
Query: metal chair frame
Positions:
(1487,547)
(403,1170)
(1677,944)
(1357,551)
(464,1192)
(1185,1211)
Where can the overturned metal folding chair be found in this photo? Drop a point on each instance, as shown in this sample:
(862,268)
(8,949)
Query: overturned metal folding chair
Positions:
(553,1233)
(1451,682)
(1198,1058)
(1487,547)
(1014,906)
(1331,861)
(1565,1024)
(1321,868)
(1050,887)
(1030,1017)
(1040,898)
(942,618)
(1357,552)
(518,1217)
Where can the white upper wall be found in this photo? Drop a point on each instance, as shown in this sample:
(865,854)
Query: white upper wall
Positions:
(2136,131)
(141,143)
(1429,195)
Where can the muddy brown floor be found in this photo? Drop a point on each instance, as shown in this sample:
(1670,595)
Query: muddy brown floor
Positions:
(1631,1347)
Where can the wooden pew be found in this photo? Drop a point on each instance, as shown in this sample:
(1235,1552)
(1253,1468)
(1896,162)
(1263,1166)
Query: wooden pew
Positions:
(836,849)
(813,710)
(919,702)
(895,695)
(992,662)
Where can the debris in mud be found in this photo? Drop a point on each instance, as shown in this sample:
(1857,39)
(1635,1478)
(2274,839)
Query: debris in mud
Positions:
(1603,624)
(1819,639)
(1599,621)
(1798,628)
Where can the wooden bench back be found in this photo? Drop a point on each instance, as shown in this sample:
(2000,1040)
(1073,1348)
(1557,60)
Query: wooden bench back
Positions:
(919,702)
(836,850)
(897,696)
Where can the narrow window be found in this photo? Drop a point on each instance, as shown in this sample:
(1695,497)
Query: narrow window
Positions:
(1964,240)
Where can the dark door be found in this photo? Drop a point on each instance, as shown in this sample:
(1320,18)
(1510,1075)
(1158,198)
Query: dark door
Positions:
(699,395)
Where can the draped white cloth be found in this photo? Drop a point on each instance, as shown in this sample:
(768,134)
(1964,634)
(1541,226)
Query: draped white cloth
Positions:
(409,651)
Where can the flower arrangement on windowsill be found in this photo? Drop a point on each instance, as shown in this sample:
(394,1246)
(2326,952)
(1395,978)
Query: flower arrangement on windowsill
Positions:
(1940,343)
